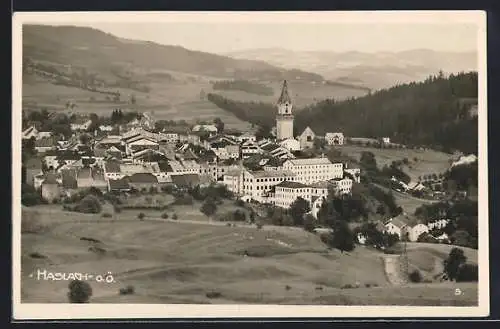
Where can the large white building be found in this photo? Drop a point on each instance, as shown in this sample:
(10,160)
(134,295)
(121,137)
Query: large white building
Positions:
(342,186)
(256,185)
(284,119)
(314,169)
(287,192)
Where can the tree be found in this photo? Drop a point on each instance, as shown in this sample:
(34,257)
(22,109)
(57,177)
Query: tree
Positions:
(79,291)
(298,209)
(209,207)
(415,276)
(85,139)
(309,221)
(219,125)
(460,238)
(467,273)
(89,204)
(452,264)
(133,100)
(319,143)
(343,237)
(368,161)
(264,131)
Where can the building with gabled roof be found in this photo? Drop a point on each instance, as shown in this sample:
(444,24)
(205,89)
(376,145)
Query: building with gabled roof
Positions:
(306,139)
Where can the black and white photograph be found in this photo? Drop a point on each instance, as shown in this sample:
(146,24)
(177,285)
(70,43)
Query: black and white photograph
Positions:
(241,164)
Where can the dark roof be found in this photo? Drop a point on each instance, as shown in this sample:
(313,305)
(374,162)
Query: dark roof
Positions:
(220,144)
(186,180)
(84,173)
(189,155)
(33,163)
(165,166)
(69,178)
(119,184)
(292,184)
(142,178)
(68,156)
(270,147)
(112,166)
(274,162)
(284,97)
(50,178)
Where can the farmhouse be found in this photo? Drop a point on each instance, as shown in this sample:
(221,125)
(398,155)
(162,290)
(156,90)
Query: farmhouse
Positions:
(334,138)
(141,181)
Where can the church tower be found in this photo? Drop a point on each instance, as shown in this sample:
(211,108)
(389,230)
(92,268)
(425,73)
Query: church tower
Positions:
(284,119)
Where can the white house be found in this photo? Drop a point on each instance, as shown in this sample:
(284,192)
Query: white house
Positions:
(334,138)
(106,128)
(291,144)
(415,231)
(354,173)
(249,149)
(286,192)
(438,224)
(246,137)
(306,139)
(81,124)
(342,186)
(140,143)
(386,140)
(314,169)
(395,226)
(211,129)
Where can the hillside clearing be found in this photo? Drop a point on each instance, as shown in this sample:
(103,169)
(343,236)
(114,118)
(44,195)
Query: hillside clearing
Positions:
(427,161)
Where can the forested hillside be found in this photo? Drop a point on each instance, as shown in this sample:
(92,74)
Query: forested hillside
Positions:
(431,113)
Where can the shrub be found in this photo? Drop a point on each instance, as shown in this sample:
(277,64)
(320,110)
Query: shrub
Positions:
(184,200)
(37,255)
(79,291)
(287,287)
(174,216)
(239,203)
(467,273)
(89,205)
(141,215)
(164,215)
(259,226)
(213,294)
(106,215)
(415,276)
(128,290)
(347,286)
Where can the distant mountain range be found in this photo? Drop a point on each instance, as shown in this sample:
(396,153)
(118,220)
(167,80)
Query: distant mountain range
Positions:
(373,70)
(97,50)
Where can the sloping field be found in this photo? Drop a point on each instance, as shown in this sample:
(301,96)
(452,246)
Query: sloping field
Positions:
(180,262)
(421,162)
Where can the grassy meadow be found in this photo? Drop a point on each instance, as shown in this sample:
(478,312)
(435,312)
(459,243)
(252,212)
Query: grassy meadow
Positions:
(180,261)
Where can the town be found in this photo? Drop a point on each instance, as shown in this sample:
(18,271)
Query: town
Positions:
(203,182)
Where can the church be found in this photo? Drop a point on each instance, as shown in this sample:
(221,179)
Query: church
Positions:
(284,124)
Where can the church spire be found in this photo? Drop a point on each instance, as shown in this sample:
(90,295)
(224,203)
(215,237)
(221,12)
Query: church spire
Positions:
(284,97)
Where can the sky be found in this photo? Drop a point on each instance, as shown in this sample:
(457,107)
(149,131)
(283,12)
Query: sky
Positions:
(233,33)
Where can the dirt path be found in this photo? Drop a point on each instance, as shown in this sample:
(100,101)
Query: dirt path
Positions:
(392,268)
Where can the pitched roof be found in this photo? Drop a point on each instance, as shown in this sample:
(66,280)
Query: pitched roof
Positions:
(142,178)
(308,131)
(69,178)
(50,178)
(284,96)
(289,184)
(165,166)
(186,180)
(112,166)
(46,142)
(119,184)
(310,161)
